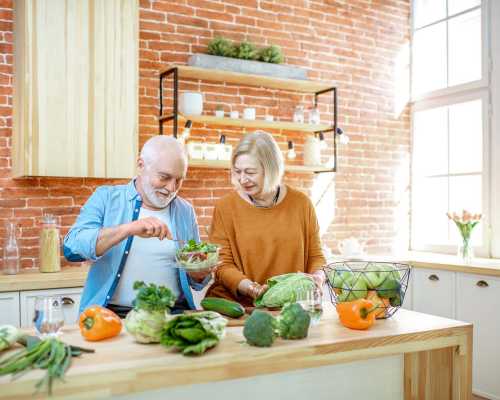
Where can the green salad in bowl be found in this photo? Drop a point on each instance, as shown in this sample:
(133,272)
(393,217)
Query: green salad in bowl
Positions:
(197,256)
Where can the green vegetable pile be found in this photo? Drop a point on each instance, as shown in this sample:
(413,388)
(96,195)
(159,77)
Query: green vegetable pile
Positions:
(202,247)
(50,354)
(8,336)
(380,279)
(197,256)
(285,289)
(146,320)
(195,333)
(261,328)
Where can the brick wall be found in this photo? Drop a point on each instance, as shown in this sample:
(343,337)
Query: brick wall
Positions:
(354,44)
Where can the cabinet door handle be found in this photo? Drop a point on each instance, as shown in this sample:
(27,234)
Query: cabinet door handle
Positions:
(67,301)
(433,277)
(482,283)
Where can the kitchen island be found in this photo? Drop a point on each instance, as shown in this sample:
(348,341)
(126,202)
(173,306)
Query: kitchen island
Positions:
(410,356)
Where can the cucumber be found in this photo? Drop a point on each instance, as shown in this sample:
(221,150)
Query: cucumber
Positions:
(223,306)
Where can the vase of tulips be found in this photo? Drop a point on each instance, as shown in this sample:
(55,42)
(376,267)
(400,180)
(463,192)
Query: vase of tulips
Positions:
(465,224)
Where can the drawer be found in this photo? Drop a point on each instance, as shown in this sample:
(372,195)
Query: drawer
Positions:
(9,309)
(434,292)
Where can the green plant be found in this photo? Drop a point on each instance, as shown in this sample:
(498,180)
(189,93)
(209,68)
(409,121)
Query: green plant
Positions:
(220,46)
(260,329)
(246,51)
(294,322)
(271,54)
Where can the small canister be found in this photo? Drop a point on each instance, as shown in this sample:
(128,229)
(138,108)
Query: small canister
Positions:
(50,252)
(312,151)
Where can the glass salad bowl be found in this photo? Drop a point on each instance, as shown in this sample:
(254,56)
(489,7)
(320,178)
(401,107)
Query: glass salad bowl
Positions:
(197,256)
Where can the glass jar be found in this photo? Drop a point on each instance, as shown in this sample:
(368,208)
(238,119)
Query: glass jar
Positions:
(314,116)
(50,253)
(10,251)
(298,115)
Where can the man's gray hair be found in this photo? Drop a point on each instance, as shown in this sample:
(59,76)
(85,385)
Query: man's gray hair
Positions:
(264,148)
(159,145)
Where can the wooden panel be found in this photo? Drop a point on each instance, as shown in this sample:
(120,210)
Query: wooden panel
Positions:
(245,123)
(76,105)
(32,279)
(306,86)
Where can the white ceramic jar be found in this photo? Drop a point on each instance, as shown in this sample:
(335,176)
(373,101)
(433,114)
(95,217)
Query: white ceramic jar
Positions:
(191,103)
(312,151)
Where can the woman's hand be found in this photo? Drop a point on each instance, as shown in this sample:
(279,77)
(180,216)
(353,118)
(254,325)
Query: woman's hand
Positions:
(251,289)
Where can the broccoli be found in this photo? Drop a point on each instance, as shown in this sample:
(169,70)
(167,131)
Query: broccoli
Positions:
(260,329)
(293,322)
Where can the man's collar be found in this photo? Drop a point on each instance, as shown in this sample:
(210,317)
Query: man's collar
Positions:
(132,193)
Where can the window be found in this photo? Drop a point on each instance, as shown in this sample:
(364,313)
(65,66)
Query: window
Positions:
(450,124)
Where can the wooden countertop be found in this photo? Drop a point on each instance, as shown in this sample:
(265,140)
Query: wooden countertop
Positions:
(32,279)
(121,366)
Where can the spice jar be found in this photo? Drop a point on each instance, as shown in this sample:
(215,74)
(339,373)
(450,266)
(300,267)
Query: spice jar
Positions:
(50,253)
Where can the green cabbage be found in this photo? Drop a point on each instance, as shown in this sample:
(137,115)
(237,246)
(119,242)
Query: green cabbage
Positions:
(285,289)
(145,326)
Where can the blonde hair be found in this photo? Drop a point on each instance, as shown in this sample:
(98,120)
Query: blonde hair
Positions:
(264,148)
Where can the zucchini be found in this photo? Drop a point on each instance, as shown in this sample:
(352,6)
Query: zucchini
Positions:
(223,306)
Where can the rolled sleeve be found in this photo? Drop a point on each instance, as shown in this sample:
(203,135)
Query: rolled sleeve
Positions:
(81,239)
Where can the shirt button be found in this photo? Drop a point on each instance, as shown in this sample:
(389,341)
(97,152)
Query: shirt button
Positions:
(107,297)
(126,252)
(118,275)
(136,210)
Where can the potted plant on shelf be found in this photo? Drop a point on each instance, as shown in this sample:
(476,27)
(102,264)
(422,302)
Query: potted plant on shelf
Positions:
(246,58)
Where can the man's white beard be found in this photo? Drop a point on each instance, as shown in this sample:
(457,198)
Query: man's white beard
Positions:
(151,194)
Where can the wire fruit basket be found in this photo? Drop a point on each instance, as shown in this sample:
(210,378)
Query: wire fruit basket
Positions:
(383,283)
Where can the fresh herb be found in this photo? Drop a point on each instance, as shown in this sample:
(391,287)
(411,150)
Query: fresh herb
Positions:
(153,298)
(49,354)
(201,247)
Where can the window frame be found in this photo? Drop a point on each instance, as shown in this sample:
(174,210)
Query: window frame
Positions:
(479,89)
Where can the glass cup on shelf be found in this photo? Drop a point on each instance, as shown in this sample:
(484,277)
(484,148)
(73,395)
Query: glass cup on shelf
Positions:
(311,301)
(48,318)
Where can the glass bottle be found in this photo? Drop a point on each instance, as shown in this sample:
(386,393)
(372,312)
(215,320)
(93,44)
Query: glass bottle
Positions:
(314,116)
(298,115)
(11,251)
(50,253)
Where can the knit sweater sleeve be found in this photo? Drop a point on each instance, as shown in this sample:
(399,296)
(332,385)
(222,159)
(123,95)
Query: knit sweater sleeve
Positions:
(227,272)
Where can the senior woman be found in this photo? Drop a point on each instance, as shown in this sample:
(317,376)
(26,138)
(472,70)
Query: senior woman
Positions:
(265,228)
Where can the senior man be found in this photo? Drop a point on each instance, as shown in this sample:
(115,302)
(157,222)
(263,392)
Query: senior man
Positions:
(131,232)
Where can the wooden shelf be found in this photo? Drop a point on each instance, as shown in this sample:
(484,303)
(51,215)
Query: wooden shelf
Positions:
(305,86)
(256,123)
(227,165)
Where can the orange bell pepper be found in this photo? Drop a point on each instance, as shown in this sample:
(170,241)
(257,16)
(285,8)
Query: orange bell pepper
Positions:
(381,303)
(97,323)
(357,314)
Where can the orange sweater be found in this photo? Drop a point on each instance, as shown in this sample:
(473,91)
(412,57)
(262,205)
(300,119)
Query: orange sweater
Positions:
(259,243)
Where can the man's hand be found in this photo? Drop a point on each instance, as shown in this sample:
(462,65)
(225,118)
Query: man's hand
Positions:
(149,227)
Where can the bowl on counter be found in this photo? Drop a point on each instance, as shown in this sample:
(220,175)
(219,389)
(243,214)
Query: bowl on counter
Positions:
(383,283)
(194,261)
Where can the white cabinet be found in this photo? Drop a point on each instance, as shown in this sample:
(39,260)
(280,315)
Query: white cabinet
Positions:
(70,298)
(434,292)
(478,302)
(9,309)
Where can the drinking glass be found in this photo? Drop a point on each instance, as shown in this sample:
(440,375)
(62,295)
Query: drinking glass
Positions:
(48,318)
(311,301)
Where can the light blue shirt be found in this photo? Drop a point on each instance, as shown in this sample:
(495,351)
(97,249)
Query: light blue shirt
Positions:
(111,206)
